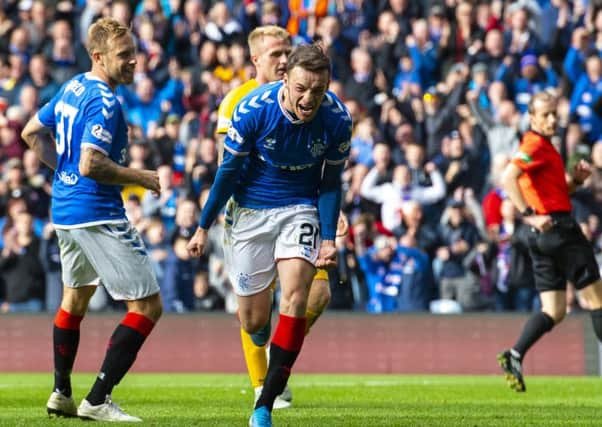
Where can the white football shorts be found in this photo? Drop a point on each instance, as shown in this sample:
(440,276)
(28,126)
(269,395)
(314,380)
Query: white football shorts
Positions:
(255,239)
(113,255)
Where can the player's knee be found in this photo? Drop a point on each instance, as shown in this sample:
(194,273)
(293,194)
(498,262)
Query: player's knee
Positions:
(262,336)
(253,324)
(557,314)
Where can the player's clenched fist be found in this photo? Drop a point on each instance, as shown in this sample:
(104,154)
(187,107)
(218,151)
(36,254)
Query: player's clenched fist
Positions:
(150,180)
(196,245)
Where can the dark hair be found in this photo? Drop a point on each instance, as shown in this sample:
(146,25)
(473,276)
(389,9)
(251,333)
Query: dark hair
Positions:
(310,57)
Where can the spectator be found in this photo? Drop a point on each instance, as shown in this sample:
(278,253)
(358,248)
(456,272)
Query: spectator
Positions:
(41,79)
(459,237)
(20,267)
(392,195)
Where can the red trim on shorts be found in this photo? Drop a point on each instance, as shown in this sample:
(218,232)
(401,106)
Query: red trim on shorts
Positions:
(138,322)
(290,332)
(66,320)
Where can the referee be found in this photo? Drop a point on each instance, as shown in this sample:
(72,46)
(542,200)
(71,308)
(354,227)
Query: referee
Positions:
(535,182)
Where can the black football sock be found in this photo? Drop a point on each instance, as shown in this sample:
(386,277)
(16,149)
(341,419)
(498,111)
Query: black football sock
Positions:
(65,338)
(597,322)
(537,325)
(121,353)
(284,349)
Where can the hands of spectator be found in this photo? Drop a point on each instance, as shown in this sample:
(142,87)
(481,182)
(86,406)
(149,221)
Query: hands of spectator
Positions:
(11,245)
(563,16)
(380,81)
(452,170)
(544,62)
(579,38)
(445,33)
(508,60)
(497,8)
(418,108)
(460,247)
(48,231)
(195,38)
(410,40)
(443,253)
(579,8)
(430,167)
(472,96)
(463,111)
(250,8)
(364,39)
(475,47)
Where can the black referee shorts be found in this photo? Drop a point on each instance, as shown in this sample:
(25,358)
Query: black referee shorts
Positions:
(562,253)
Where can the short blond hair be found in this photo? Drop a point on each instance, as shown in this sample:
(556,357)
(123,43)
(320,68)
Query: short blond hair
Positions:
(259,33)
(543,96)
(102,31)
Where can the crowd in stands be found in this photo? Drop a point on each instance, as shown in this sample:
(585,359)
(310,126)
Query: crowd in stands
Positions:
(438,92)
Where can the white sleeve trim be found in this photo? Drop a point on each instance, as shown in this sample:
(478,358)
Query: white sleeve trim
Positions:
(236,153)
(336,162)
(95,147)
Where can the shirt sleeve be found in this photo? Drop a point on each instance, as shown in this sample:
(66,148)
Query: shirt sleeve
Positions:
(526,158)
(338,149)
(224,114)
(46,113)
(240,136)
(102,118)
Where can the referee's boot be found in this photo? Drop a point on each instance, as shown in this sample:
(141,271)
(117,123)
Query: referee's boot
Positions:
(513,369)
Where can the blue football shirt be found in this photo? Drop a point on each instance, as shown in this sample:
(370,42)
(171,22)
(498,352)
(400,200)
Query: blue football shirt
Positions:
(85,112)
(285,155)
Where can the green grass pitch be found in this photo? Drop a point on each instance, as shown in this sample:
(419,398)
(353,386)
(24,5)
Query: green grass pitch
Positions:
(323,400)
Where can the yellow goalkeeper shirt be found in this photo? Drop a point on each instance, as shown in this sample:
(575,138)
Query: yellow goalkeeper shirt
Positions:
(226,107)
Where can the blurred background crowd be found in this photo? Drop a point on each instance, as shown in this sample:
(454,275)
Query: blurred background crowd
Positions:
(438,91)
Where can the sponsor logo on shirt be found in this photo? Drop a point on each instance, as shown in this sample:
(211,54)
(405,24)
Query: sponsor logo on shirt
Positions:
(102,134)
(269,143)
(344,147)
(234,135)
(68,179)
(317,148)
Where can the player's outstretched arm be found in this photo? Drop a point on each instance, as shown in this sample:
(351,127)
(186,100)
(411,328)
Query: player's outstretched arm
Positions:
(41,140)
(95,165)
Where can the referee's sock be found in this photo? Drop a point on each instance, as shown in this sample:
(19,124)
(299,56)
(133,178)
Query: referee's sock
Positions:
(597,322)
(121,353)
(537,325)
(284,349)
(65,337)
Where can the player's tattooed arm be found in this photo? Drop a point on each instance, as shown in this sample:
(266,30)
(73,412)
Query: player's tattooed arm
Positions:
(95,165)
(41,140)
